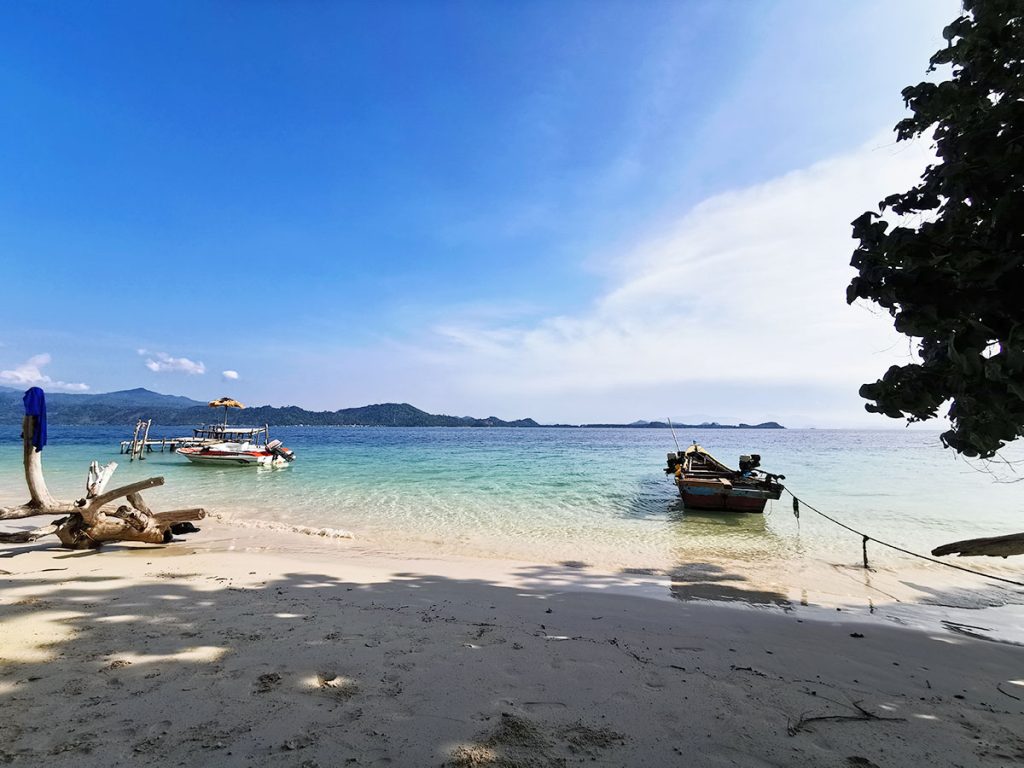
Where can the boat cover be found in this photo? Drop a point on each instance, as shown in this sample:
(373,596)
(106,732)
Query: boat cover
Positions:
(35,405)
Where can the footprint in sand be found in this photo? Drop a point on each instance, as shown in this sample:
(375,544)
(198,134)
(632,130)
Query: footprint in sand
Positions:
(375,758)
(515,740)
(149,745)
(336,685)
(654,680)
(484,635)
(74,687)
(535,707)
(268,682)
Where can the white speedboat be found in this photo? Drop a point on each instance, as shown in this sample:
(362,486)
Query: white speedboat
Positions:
(239,446)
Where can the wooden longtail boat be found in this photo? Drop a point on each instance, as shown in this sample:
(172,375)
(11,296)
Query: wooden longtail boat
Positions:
(706,483)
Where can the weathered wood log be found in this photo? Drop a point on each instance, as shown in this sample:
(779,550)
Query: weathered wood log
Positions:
(123,524)
(133,517)
(993,546)
(125,490)
(135,499)
(89,508)
(76,533)
(179,516)
(33,459)
(90,521)
(24,537)
(98,478)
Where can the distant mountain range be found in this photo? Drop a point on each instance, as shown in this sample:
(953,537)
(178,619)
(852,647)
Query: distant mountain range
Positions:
(127,406)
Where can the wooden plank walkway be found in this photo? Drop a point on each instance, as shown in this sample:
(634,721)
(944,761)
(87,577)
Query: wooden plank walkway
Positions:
(162,443)
(141,443)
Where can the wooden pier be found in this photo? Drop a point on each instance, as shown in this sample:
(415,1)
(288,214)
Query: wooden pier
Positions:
(141,443)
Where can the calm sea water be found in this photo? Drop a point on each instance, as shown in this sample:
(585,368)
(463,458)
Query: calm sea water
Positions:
(592,495)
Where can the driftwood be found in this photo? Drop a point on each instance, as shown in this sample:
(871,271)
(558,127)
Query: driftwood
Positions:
(92,520)
(994,546)
(40,502)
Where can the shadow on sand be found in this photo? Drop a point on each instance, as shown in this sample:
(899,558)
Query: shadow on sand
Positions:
(176,667)
(707,581)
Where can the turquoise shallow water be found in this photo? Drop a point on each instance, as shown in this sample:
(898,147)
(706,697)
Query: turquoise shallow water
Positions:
(592,495)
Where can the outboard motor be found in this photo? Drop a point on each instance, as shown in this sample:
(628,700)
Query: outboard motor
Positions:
(748,463)
(672,460)
(276,448)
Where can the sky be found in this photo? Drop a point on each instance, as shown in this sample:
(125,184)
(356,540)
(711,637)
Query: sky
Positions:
(572,211)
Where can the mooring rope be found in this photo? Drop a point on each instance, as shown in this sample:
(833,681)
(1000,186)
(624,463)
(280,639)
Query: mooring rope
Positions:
(865,538)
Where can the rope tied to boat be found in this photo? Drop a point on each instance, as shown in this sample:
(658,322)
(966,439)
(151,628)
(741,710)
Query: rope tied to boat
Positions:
(865,538)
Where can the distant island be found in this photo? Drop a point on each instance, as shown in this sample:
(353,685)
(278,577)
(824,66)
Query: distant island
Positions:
(666,425)
(127,406)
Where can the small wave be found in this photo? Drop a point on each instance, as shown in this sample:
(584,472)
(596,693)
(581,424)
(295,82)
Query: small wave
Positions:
(268,525)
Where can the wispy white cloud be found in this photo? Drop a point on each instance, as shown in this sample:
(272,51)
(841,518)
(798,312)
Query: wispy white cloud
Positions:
(161,362)
(30,374)
(229,375)
(748,285)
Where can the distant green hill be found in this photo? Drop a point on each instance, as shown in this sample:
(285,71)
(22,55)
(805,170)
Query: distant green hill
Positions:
(127,406)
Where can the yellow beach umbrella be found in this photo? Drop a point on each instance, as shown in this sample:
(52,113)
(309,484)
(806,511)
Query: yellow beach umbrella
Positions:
(225,403)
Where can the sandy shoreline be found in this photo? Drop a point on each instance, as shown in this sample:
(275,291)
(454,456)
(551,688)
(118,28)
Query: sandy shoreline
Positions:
(221,651)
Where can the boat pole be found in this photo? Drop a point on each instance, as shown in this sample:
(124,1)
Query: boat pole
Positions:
(673,434)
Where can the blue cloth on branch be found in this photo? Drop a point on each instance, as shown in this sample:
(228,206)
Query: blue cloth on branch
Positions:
(35,405)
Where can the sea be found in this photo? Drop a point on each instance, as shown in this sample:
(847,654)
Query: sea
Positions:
(594,507)
(597,496)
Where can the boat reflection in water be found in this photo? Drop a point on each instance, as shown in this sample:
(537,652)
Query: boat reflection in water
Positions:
(723,556)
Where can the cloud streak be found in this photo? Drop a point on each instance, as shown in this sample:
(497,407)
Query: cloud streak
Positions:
(746,286)
(29,374)
(161,362)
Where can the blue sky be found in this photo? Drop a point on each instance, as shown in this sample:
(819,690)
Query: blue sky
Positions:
(567,210)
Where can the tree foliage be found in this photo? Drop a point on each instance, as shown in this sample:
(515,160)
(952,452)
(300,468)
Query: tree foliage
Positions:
(951,270)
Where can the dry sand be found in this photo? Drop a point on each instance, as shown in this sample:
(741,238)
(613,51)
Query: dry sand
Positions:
(226,653)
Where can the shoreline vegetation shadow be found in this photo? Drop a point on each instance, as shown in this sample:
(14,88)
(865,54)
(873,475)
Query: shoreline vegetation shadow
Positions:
(417,669)
(708,581)
(312,669)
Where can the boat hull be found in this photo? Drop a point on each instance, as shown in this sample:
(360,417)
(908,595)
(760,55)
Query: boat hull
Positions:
(230,458)
(714,495)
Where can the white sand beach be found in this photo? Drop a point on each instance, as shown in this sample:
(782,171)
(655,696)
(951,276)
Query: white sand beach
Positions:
(512,384)
(231,648)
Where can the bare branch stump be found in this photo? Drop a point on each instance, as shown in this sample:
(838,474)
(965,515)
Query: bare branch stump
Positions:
(41,501)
